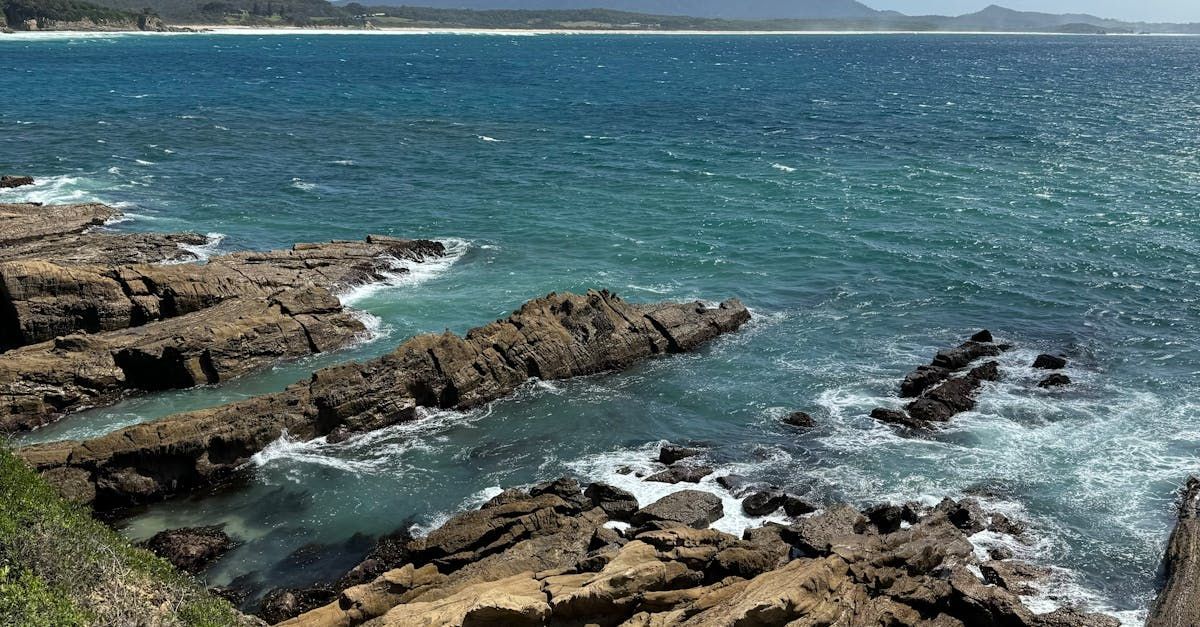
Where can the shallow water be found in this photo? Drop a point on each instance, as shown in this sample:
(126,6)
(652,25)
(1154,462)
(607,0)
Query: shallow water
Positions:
(872,198)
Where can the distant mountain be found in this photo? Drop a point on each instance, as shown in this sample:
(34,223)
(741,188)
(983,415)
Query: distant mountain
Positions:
(997,18)
(719,9)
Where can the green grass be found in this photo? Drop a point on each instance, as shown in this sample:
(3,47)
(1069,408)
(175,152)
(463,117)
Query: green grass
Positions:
(61,567)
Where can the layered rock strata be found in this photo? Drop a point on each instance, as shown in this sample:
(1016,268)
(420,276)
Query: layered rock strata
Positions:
(88,317)
(555,337)
(550,556)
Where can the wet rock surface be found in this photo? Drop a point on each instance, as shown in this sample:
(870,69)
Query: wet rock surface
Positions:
(945,387)
(1178,603)
(190,550)
(555,337)
(533,561)
(11,180)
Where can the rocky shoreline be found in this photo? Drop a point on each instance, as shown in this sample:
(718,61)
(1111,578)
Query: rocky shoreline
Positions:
(559,553)
(91,317)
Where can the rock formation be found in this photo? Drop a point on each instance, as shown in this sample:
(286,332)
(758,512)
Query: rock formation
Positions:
(555,337)
(941,389)
(10,181)
(1178,604)
(190,550)
(552,559)
(87,317)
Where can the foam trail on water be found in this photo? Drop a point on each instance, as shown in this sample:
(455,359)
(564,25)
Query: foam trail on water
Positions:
(409,273)
(199,252)
(53,190)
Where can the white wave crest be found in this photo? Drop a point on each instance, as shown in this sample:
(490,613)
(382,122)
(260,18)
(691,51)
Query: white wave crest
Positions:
(783,168)
(199,252)
(409,273)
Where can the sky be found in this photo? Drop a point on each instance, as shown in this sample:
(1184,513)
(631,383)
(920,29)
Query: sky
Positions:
(1142,10)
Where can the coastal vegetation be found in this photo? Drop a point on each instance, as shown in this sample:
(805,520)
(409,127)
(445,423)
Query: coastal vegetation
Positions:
(59,566)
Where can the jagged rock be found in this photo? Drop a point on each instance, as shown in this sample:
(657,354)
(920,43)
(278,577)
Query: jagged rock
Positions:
(681,474)
(42,382)
(618,504)
(795,506)
(921,379)
(48,298)
(555,337)
(282,604)
(816,534)
(897,417)
(965,514)
(1013,575)
(953,396)
(1000,553)
(1003,524)
(962,356)
(1177,604)
(799,419)
(691,508)
(738,485)
(565,488)
(763,502)
(190,550)
(983,336)
(9,181)
(670,453)
(886,518)
(1055,380)
(1049,362)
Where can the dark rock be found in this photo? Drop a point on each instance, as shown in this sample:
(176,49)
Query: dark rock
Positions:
(965,514)
(624,470)
(190,550)
(912,511)
(603,537)
(1005,525)
(8,181)
(983,336)
(282,604)
(955,358)
(897,417)
(953,396)
(671,453)
(799,419)
(1055,380)
(1178,605)
(795,506)
(555,337)
(617,503)
(738,485)
(392,550)
(1050,362)
(921,379)
(511,495)
(886,518)
(692,508)
(681,474)
(763,502)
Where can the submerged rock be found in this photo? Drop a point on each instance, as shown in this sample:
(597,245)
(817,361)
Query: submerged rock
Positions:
(192,549)
(555,337)
(1055,380)
(9,181)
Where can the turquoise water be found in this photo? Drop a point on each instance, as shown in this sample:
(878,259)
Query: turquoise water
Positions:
(872,198)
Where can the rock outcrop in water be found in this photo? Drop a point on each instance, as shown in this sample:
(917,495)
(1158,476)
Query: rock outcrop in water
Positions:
(88,317)
(942,389)
(9,181)
(1178,604)
(555,337)
(551,557)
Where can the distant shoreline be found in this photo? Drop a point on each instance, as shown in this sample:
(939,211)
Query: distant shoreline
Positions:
(202,29)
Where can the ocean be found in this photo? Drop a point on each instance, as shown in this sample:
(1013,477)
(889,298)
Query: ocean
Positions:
(872,198)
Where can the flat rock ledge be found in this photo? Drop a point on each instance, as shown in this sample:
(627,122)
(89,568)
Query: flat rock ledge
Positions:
(88,317)
(1178,603)
(555,337)
(551,556)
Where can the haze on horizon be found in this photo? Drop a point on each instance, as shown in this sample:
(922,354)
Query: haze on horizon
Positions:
(1144,11)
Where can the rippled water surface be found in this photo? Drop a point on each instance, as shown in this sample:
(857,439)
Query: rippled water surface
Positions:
(872,198)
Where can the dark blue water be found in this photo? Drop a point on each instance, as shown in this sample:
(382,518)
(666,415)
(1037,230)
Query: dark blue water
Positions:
(873,198)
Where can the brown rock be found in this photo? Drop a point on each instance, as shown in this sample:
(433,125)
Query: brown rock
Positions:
(691,508)
(9,181)
(1177,604)
(555,337)
(1049,362)
(190,550)
(618,504)
(670,453)
(681,474)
